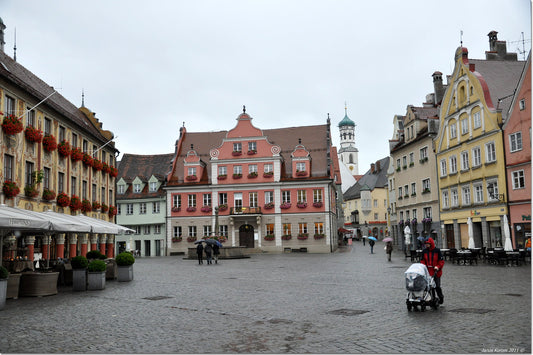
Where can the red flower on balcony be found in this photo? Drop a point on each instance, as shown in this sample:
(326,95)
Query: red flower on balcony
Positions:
(76,154)
(86,205)
(206,209)
(64,148)
(317,204)
(63,200)
(191,177)
(176,209)
(48,194)
(96,205)
(237,176)
(104,208)
(252,175)
(268,174)
(191,209)
(301,204)
(269,206)
(97,165)
(33,134)
(236,153)
(113,171)
(285,205)
(31,191)
(112,211)
(11,125)
(49,143)
(75,203)
(303,236)
(222,177)
(106,168)
(251,152)
(301,173)
(10,189)
(222,207)
(87,159)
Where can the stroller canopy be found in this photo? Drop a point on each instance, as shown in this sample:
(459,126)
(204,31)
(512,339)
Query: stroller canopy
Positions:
(417,277)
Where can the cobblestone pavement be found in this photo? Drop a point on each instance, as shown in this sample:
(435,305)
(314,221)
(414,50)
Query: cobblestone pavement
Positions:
(346,302)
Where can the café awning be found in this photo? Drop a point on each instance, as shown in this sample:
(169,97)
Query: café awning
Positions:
(101,226)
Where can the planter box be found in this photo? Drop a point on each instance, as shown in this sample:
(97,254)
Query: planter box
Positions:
(3,291)
(125,273)
(96,280)
(79,279)
(38,284)
(111,271)
(13,283)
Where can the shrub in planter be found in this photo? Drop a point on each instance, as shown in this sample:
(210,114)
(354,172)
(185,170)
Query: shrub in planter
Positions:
(319,235)
(125,259)
(303,236)
(79,277)
(269,237)
(176,209)
(286,236)
(268,174)
(95,254)
(191,239)
(176,239)
(285,205)
(4,274)
(222,207)
(125,263)
(112,211)
(96,266)
(79,262)
(269,206)
(96,276)
(206,209)
(317,204)
(3,286)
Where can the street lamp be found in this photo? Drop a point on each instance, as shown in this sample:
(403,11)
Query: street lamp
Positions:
(492,195)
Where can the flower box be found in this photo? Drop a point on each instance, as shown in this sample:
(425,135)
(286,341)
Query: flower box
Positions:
(301,204)
(96,206)
(237,176)
(301,173)
(413,221)
(87,159)
(426,220)
(303,236)
(31,191)
(285,205)
(222,177)
(251,152)
(33,134)
(12,125)
(75,203)
(268,174)
(222,207)
(191,177)
(317,204)
(64,149)
(269,206)
(63,200)
(176,209)
(176,239)
(113,171)
(191,239)
(286,237)
(104,208)
(206,209)
(270,237)
(191,209)
(97,165)
(76,154)
(112,211)
(426,190)
(236,153)
(86,205)
(319,235)
(48,194)
(252,175)
(106,168)
(10,189)
(49,143)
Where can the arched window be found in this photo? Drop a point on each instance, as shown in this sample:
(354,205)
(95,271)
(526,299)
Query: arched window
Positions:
(350,158)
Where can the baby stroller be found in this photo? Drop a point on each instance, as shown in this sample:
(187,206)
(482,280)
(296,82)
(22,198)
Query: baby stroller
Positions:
(420,287)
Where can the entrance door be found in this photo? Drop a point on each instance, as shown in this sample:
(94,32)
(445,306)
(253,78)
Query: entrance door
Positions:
(147,251)
(246,236)
(450,240)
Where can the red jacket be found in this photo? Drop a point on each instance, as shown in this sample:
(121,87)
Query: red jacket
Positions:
(432,257)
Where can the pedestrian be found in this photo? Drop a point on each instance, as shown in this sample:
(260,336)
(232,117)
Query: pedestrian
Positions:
(371,243)
(388,249)
(432,258)
(216,252)
(200,252)
(208,252)
(364,238)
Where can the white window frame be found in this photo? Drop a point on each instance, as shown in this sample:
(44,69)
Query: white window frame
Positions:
(476,157)
(443,169)
(156,207)
(176,201)
(136,188)
(317,195)
(464,126)
(453,164)
(253,199)
(153,186)
(142,208)
(478,193)
(207,199)
(445,199)
(453,130)
(223,170)
(515,141)
(301,166)
(519,181)
(454,197)
(466,195)
(465,165)
(423,153)
(267,168)
(269,196)
(286,196)
(477,119)
(129,208)
(490,152)
(191,200)
(192,231)
(237,169)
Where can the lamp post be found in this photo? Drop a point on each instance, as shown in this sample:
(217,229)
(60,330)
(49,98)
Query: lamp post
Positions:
(492,195)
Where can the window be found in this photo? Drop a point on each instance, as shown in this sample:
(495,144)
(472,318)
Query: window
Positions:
(300,166)
(119,208)
(73,185)
(207,199)
(191,200)
(102,195)
(29,173)
(74,140)
(414,214)
(191,171)
(252,146)
(84,146)
(424,153)
(495,192)
(223,230)
(252,196)
(157,229)
(137,229)
(121,188)
(287,229)
(476,157)
(522,104)
(177,231)
(46,178)
(375,203)
(176,201)
(464,126)
(155,207)
(84,189)
(222,170)
(400,189)
(404,160)
(60,182)
(237,147)
(62,134)
(147,229)
(252,169)
(376,217)
(142,208)
(490,150)
(237,169)
(426,185)
(192,231)
(411,158)
(153,186)
(268,168)
(129,208)
(8,167)
(398,165)
(518,179)
(137,188)
(302,228)
(10,105)
(455,197)
(47,126)
(301,196)
(269,196)
(443,171)
(319,228)
(286,196)
(93,193)
(453,130)
(427,212)
(222,198)
(478,193)
(269,229)
(477,120)
(466,195)
(406,190)
(30,118)
(445,200)
(207,230)
(453,164)
(464,161)
(515,141)
(413,188)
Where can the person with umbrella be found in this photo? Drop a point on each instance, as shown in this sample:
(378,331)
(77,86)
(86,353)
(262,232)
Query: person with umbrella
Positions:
(208,252)
(371,242)
(388,247)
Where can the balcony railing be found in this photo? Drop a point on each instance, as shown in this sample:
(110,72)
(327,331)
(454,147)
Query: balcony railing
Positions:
(245,210)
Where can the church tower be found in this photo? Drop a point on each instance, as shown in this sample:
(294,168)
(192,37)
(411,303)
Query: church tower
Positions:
(348,153)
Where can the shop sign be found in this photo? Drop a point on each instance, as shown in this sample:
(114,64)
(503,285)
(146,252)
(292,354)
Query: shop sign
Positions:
(526,217)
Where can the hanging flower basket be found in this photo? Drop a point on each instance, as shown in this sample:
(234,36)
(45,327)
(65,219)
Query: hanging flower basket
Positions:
(97,165)
(303,236)
(176,209)
(301,173)
(286,237)
(319,235)
(33,134)
(427,220)
(63,200)
(222,177)
(113,171)
(252,175)
(48,194)
(191,209)
(301,204)
(237,176)
(236,153)
(86,205)
(269,206)
(413,221)
(206,209)
(191,177)
(177,239)
(10,189)
(285,205)
(64,149)
(106,168)
(401,222)
(75,203)
(96,205)
(318,204)
(31,191)
(191,239)
(49,143)
(270,237)
(222,207)
(87,159)
(104,208)
(76,154)
(11,125)
(268,174)
(112,211)
(251,152)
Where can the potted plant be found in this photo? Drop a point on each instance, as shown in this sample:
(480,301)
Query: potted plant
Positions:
(191,177)
(87,159)
(269,206)
(64,148)
(96,205)
(222,177)
(112,211)
(236,153)
(10,189)
(270,237)
(113,171)
(237,176)
(48,194)
(319,235)
(75,203)
(76,154)
(11,125)
(317,204)
(31,191)
(301,172)
(301,204)
(285,205)
(191,239)
(86,205)
(268,174)
(303,236)
(191,209)
(96,275)
(206,209)
(95,255)
(63,200)
(222,207)
(49,143)
(104,208)
(4,274)
(176,209)
(252,175)
(33,134)
(125,263)
(79,273)
(177,239)
(286,237)
(97,165)
(251,152)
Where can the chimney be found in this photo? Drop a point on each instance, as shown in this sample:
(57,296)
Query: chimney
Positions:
(498,49)
(378,166)
(438,87)
(2,28)
(372,168)
(493,38)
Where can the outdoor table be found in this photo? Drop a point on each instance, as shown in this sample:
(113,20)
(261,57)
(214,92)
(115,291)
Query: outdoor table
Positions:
(445,253)
(465,256)
(513,257)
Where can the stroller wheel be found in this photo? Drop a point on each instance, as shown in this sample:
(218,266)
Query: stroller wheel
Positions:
(423,307)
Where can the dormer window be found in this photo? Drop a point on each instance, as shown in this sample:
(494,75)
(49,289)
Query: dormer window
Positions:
(237,147)
(121,189)
(153,186)
(300,166)
(137,188)
(191,171)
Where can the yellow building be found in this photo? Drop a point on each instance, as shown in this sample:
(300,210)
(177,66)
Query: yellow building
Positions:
(469,149)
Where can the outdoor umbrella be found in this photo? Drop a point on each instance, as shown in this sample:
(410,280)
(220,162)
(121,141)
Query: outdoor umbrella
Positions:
(508,246)
(471,243)
(213,242)
(388,239)
(372,238)
(407,232)
(199,241)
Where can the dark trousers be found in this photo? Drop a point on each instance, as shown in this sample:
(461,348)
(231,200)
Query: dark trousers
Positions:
(200,259)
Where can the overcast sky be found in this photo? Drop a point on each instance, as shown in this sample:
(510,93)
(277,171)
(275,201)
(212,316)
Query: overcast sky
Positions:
(148,67)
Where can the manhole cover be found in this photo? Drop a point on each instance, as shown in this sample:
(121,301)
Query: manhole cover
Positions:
(156,298)
(347,312)
(472,310)
(512,294)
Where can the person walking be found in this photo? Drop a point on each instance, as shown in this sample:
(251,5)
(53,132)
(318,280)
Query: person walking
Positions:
(371,243)
(364,238)
(432,258)
(200,252)
(388,249)
(208,252)
(216,252)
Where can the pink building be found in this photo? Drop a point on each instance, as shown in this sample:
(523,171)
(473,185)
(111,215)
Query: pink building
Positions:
(270,190)
(517,141)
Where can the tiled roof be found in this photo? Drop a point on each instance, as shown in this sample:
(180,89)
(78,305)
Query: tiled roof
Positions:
(369,180)
(144,166)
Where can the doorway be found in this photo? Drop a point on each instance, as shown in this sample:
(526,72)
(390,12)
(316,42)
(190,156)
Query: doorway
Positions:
(246,236)
(450,240)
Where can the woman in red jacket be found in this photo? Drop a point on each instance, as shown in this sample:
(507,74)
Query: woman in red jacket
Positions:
(432,258)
